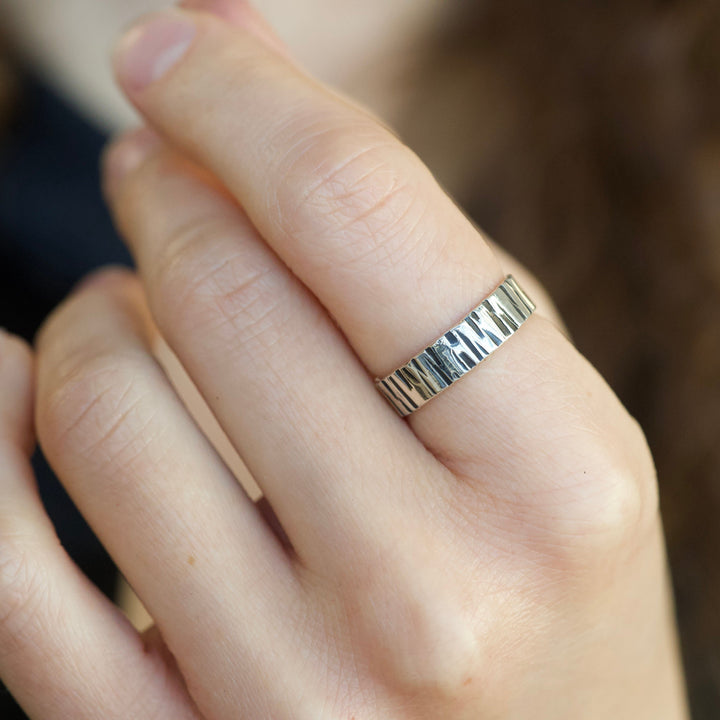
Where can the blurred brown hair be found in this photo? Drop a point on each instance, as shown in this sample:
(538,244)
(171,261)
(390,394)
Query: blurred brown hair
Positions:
(585,137)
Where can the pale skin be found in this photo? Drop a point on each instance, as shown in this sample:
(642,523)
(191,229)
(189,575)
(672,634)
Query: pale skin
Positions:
(499,554)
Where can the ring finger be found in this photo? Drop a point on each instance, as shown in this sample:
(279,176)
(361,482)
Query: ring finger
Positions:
(261,349)
(360,220)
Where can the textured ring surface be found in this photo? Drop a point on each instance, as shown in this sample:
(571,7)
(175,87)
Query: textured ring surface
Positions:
(459,350)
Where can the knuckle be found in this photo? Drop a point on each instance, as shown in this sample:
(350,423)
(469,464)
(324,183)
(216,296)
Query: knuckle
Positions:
(619,508)
(362,190)
(630,491)
(439,664)
(607,511)
(206,280)
(96,409)
(436,643)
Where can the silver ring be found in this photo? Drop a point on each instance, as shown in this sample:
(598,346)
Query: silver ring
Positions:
(459,350)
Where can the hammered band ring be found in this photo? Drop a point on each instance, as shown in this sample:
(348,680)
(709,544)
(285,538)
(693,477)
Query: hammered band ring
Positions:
(459,350)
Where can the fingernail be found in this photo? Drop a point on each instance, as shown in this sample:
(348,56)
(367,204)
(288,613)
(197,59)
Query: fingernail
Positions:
(150,50)
(125,154)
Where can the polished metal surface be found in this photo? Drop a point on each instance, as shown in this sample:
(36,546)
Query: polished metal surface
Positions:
(459,350)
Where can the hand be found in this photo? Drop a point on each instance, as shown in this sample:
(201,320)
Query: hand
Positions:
(497,554)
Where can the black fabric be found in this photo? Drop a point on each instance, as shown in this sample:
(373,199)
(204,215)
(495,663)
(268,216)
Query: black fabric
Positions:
(54,228)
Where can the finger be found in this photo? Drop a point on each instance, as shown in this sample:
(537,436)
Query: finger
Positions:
(349,208)
(241,14)
(261,349)
(362,223)
(190,542)
(65,650)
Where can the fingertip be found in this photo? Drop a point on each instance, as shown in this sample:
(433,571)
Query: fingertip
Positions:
(16,356)
(151,47)
(239,14)
(233,11)
(123,288)
(119,287)
(157,42)
(124,155)
(113,281)
(106,277)
(114,289)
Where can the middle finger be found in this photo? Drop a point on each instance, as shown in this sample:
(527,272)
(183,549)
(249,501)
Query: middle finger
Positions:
(261,349)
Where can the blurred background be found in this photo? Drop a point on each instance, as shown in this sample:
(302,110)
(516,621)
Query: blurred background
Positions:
(583,136)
